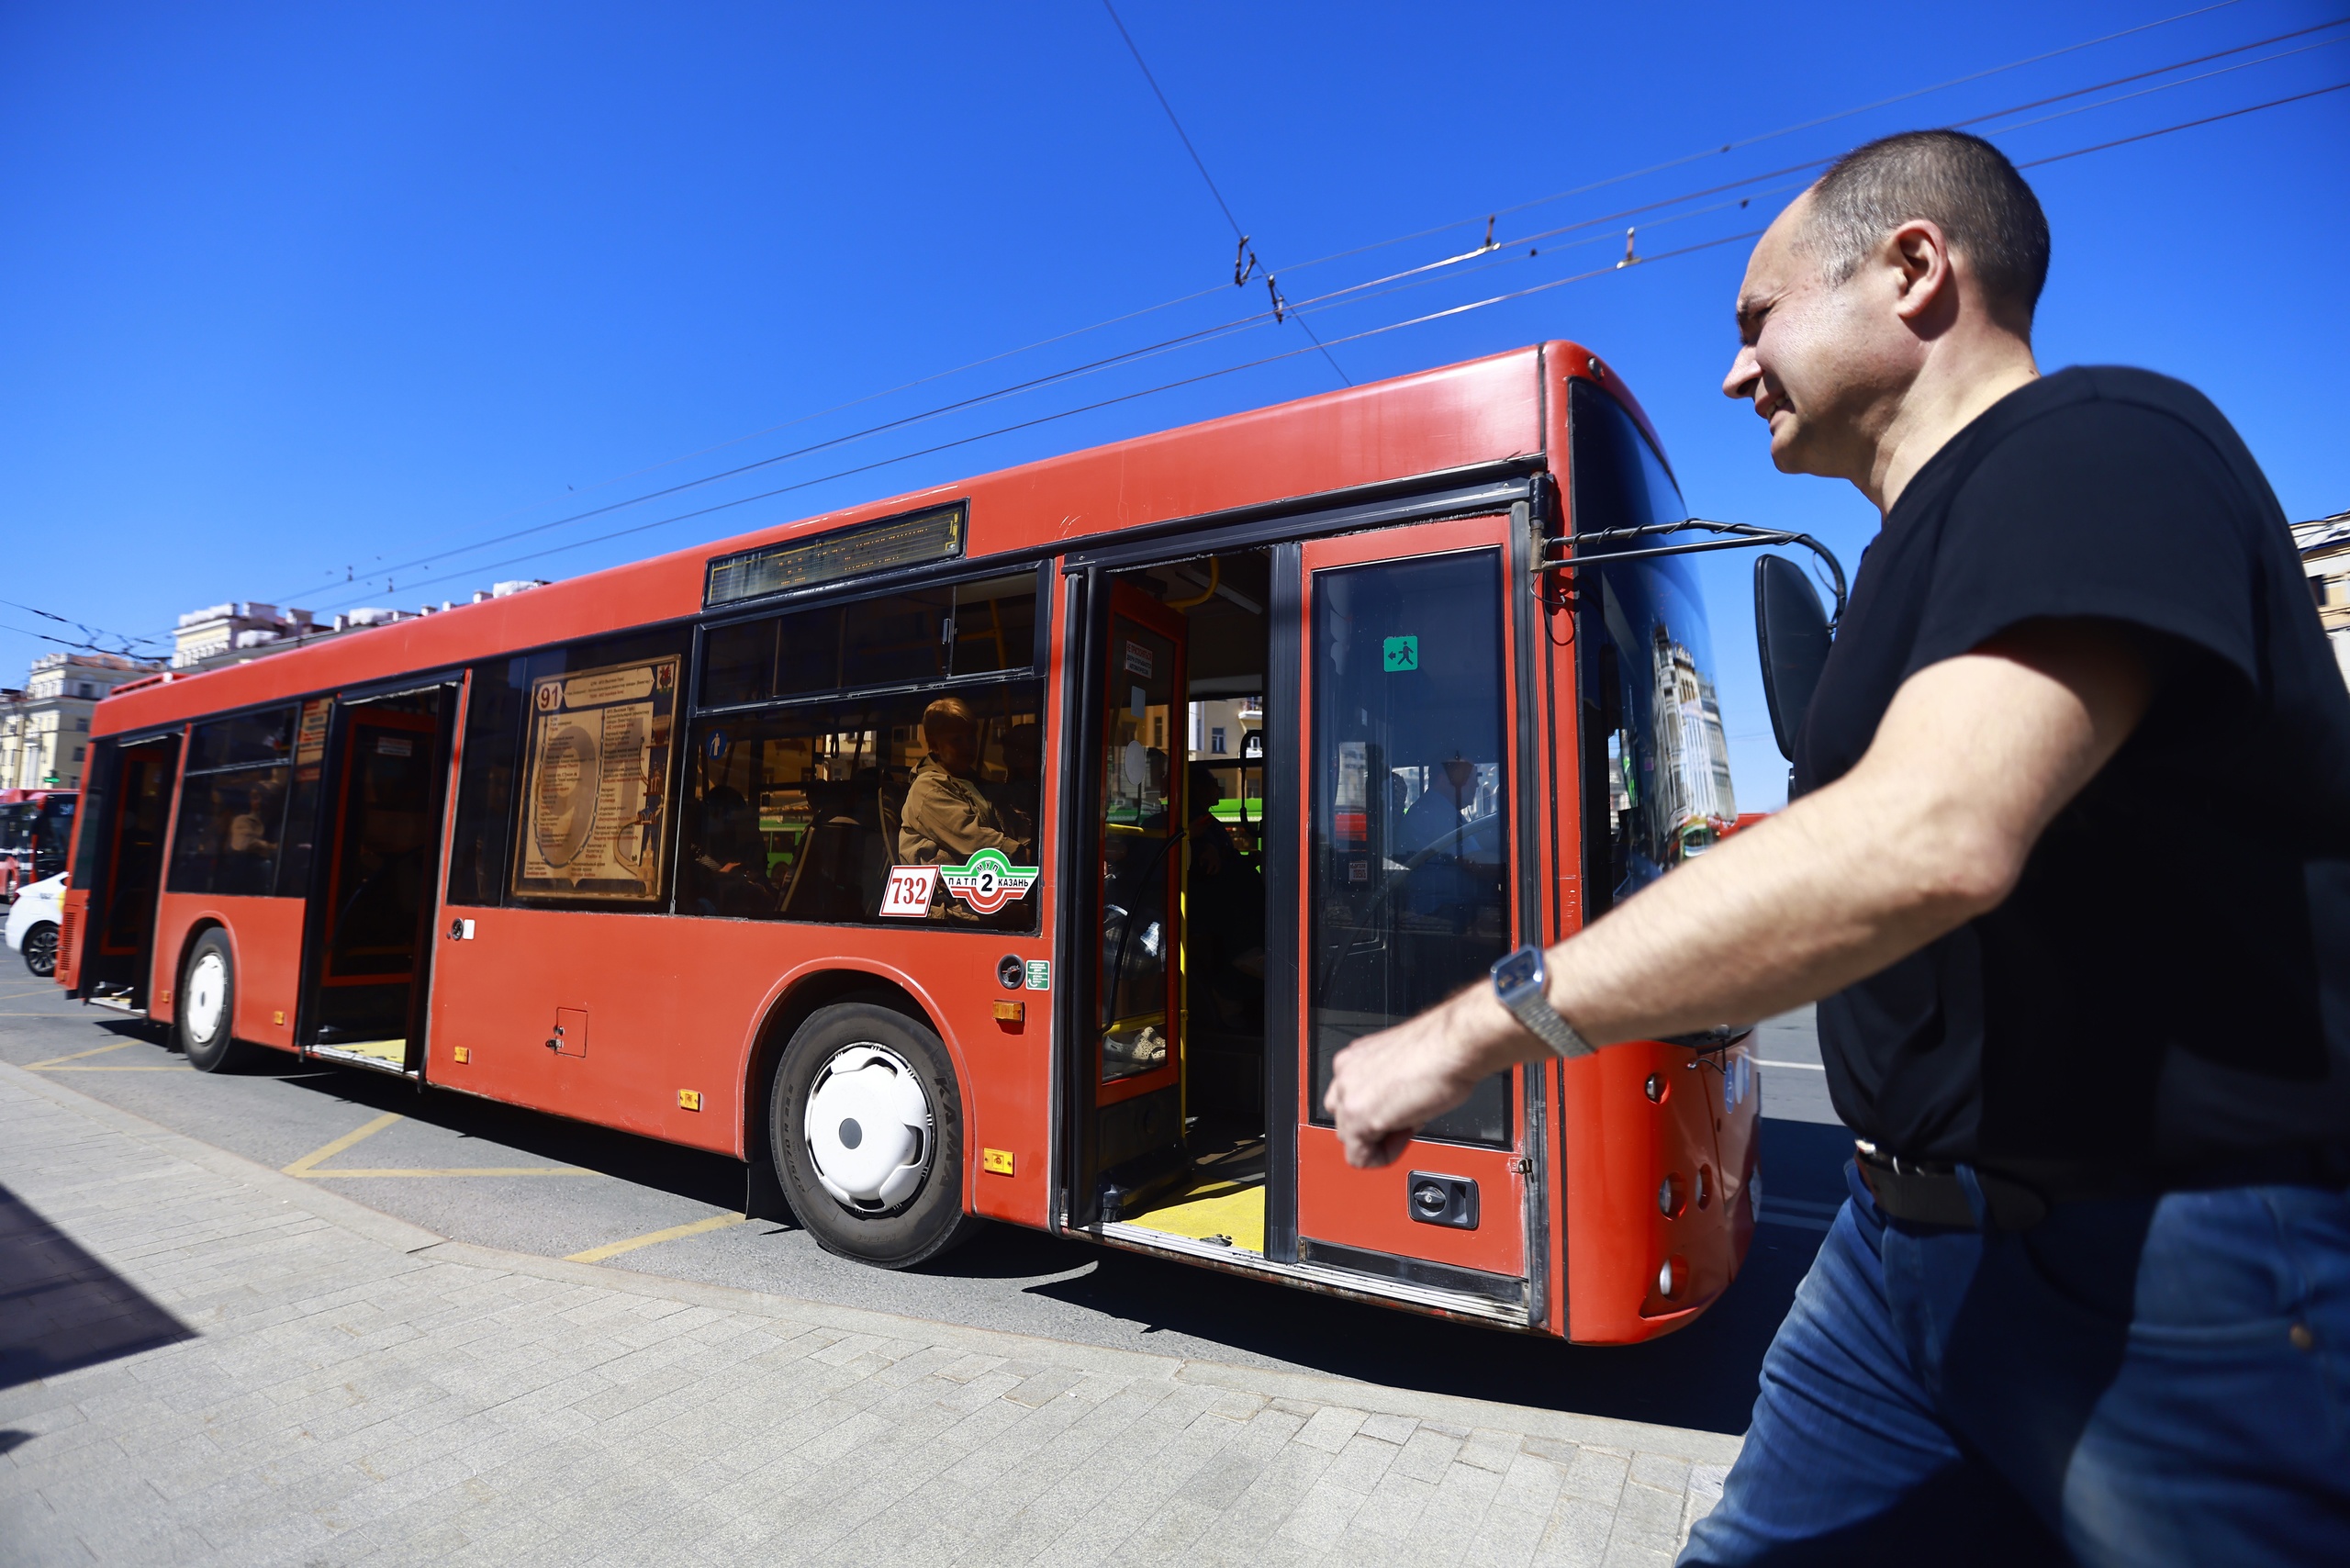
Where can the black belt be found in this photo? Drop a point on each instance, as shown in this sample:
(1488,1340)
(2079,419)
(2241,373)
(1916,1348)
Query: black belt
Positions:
(2019,1195)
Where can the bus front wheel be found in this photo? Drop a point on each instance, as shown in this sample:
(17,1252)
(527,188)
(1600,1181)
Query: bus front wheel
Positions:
(867,1128)
(207,1006)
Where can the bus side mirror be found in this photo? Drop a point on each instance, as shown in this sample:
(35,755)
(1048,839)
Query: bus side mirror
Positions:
(1792,635)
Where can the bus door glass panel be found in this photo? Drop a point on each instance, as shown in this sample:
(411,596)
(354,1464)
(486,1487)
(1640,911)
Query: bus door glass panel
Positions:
(1409,853)
(382,861)
(1138,1051)
(132,830)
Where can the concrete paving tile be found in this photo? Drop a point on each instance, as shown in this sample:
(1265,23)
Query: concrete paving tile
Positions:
(1428,1453)
(1396,1429)
(1329,1427)
(1506,1537)
(1661,1471)
(1491,1451)
(1648,1525)
(1531,1485)
(1576,1536)
(1597,1475)
(43,1550)
(1169,1535)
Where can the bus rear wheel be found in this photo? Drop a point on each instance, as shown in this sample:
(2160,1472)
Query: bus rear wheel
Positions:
(206,1007)
(867,1128)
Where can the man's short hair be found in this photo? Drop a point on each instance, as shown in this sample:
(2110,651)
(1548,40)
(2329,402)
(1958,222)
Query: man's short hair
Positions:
(1960,182)
(948,712)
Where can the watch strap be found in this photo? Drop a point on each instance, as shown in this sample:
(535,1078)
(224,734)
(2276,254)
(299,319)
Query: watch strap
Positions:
(1549,1026)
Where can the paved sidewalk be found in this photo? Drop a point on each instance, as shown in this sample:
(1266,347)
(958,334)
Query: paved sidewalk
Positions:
(229,1365)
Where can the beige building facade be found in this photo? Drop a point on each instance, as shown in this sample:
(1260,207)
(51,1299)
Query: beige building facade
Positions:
(45,728)
(2325,556)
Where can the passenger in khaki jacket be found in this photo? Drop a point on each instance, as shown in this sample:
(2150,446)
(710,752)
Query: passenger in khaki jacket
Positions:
(947,818)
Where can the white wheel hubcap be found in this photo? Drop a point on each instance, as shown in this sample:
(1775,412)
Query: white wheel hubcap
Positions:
(208,989)
(869,1128)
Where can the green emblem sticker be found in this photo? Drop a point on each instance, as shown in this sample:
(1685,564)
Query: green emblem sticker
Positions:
(1403,653)
(988,882)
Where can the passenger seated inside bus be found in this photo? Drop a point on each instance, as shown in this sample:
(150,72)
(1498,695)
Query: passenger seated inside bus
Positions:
(947,815)
(1211,745)
(798,811)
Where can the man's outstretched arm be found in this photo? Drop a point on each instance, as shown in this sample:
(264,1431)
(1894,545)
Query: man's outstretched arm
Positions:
(1974,758)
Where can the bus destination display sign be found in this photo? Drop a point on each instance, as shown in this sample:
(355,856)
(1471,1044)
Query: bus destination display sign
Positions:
(916,538)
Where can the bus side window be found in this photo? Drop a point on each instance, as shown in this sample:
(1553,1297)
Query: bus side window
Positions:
(801,811)
(232,806)
(486,783)
(801,808)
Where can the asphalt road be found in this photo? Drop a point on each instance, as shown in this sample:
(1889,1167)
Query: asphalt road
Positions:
(561,1189)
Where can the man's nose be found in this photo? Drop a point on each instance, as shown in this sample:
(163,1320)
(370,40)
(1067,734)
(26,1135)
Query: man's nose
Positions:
(1743,374)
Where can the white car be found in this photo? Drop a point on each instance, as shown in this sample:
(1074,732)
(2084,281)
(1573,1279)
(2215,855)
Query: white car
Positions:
(32,924)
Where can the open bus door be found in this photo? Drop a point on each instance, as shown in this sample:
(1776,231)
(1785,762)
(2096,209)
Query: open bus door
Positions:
(1411,882)
(368,948)
(126,820)
(1134,1039)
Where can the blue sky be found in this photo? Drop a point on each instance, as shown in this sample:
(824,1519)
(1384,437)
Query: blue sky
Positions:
(288,292)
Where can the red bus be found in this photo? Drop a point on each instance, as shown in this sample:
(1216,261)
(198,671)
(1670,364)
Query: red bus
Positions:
(877,851)
(35,829)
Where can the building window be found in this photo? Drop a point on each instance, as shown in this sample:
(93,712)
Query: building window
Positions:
(77,754)
(1215,741)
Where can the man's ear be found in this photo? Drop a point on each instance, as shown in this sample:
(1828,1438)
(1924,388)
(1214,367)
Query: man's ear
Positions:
(1919,256)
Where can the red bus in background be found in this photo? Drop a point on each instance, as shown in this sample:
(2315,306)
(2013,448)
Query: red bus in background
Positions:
(1021,850)
(36,835)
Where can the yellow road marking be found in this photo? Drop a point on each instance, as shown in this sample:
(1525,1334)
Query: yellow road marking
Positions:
(302,1166)
(464,1171)
(77,1056)
(675,1233)
(176,1067)
(307,1165)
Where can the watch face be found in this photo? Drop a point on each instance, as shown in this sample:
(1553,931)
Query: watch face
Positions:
(1519,971)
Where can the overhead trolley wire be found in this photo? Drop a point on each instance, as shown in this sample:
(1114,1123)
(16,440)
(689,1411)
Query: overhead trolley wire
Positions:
(2184,125)
(91,633)
(1370,288)
(1199,294)
(1739,143)
(1291,353)
(1094,407)
(1239,273)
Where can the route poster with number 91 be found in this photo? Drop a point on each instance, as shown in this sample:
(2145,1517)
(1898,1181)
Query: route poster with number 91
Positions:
(592,807)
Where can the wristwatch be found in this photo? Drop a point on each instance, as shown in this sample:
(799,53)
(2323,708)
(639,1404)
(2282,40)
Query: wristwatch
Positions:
(1520,984)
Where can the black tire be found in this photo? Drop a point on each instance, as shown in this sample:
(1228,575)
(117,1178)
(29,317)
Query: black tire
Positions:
(894,1228)
(205,1007)
(40,949)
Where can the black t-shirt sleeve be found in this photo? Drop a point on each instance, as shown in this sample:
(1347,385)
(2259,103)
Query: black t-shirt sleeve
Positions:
(2100,510)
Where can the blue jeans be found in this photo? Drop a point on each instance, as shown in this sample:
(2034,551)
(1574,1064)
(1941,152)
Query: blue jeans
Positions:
(2140,1381)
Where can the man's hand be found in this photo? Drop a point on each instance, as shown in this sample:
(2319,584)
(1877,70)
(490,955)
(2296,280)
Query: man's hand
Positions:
(1385,1086)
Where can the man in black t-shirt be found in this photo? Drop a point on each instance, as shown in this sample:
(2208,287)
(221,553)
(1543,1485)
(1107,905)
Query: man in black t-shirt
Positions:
(2069,872)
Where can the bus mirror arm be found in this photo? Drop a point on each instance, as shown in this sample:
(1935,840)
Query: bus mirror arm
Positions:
(1741,535)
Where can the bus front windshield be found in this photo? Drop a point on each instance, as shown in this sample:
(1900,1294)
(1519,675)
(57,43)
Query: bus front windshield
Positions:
(1656,759)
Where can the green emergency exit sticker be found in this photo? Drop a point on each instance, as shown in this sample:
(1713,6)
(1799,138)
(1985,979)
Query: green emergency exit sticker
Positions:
(1403,653)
